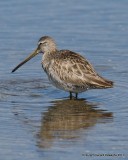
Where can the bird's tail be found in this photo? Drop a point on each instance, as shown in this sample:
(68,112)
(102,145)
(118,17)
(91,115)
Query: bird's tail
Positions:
(100,82)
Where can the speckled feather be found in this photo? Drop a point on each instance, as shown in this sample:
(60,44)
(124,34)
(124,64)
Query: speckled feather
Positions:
(74,70)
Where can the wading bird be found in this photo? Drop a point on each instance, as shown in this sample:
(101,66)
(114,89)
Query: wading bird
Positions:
(67,70)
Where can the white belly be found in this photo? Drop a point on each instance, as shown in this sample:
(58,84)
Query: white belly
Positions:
(66,86)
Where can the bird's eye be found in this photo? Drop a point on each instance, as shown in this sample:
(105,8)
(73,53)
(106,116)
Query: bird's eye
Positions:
(40,43)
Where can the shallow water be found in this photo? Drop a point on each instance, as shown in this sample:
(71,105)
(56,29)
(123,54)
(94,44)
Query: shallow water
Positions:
(38,121)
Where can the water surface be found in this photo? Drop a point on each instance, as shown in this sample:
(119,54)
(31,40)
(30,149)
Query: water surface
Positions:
(38,121)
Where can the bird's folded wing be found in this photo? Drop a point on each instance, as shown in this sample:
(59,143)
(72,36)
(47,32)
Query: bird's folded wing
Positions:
(81,74)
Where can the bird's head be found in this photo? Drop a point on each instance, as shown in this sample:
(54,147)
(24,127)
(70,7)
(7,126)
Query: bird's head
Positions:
(45,45)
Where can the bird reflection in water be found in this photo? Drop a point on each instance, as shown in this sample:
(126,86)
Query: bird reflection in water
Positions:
(65,118)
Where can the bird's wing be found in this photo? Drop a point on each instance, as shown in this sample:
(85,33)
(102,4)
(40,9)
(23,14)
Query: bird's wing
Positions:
(73,68)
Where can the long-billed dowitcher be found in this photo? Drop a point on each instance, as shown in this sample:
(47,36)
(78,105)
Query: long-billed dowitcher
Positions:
(67,70)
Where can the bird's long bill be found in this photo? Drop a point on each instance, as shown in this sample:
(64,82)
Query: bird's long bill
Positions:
(33,54)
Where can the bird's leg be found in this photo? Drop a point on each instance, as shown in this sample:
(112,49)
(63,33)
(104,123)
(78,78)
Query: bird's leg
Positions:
(70,95)
(76,95)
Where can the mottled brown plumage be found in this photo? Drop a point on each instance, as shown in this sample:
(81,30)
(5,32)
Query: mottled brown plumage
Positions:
(67,70)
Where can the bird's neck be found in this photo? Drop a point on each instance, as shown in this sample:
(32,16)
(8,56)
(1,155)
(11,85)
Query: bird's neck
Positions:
(47,58)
